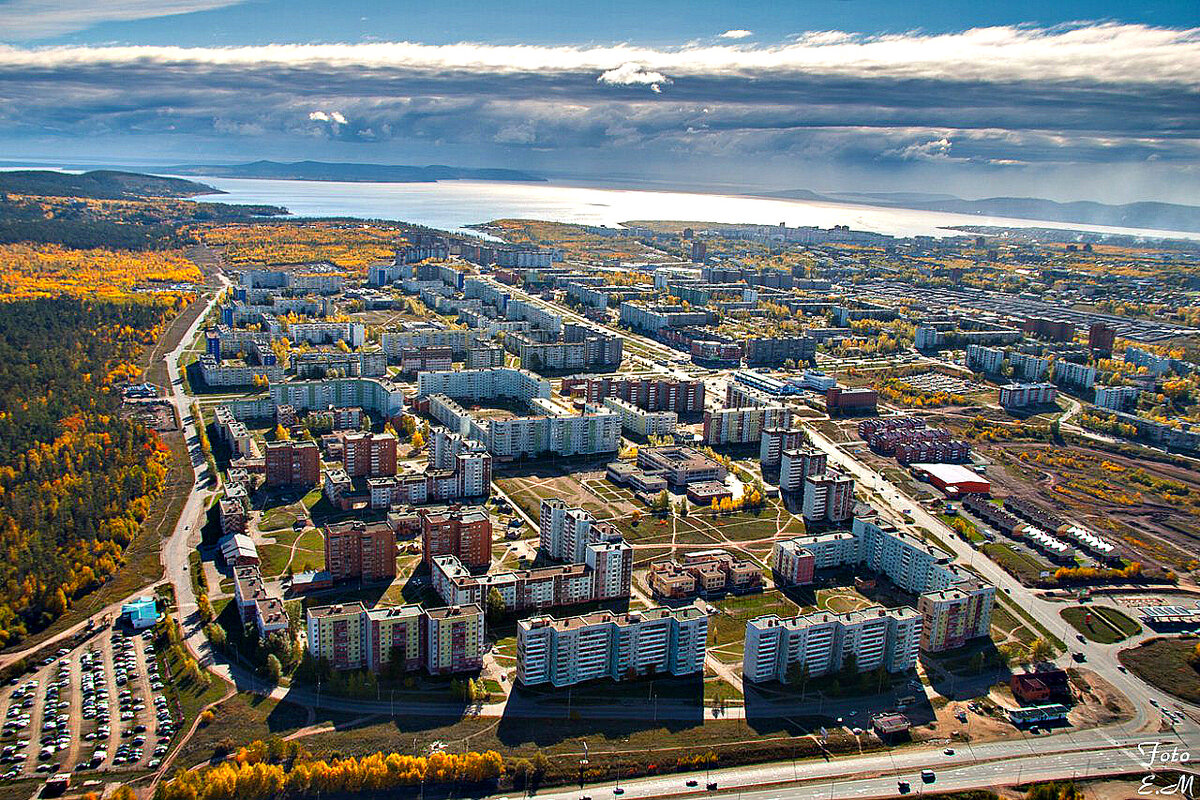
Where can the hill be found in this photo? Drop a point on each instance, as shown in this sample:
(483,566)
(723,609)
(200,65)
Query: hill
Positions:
(1160,216)
(98,185)
(350,172)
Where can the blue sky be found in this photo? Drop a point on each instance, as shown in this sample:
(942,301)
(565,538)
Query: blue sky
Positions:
(665,23)
(1071,100)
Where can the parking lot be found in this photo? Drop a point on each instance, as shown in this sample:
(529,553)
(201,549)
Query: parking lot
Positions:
(99,706)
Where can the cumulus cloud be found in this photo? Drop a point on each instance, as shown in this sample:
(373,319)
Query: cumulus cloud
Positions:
(631,74)
(327,116)
(32,19)
(736,33)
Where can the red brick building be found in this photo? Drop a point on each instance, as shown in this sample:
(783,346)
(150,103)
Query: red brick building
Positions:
(369,455)
(293,463)
(358,551)
(463,533)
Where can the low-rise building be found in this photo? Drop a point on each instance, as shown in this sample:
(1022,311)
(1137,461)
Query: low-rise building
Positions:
(710,572)
(680,465)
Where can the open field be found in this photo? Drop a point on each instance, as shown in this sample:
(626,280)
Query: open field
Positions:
(1163,663)
(1150,507)
(1023,567)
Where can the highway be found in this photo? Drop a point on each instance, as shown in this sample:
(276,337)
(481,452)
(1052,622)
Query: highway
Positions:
(1082,755)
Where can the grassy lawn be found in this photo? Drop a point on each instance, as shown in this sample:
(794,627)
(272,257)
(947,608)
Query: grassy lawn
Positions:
(274,519)
(1163,663)
(1119,620)
(633,747)
(1005,625)
(1024,568)
(1092,625)
(728,625)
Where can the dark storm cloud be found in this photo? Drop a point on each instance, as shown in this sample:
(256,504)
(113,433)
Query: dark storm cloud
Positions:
(997,97)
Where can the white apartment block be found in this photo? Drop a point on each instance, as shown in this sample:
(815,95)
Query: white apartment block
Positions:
(796,465)
(1028,368)
(226,373)
(1116,398)
(823,643)
(985,359)
(657,641)
(1072,374)
(828,498)
(352,333)
(459,341)
(480,384)
(743,425)
(368,394)
(642,422)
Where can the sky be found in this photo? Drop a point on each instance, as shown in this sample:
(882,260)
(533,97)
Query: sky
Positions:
(1068,100)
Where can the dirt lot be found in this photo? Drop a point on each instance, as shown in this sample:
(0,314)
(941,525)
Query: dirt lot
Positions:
(1149,507)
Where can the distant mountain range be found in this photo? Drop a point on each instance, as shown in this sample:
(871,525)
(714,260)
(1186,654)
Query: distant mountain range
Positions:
(1163,216)
(355,173)
(100,184)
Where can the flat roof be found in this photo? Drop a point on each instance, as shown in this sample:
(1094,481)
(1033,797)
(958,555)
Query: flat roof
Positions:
(951,474)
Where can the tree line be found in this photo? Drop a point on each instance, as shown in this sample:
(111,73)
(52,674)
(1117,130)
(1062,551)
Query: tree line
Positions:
(76,478)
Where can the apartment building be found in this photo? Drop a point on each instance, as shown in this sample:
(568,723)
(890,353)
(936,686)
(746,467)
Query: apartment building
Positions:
(484,384)
(485,356)
(824,643)
(657,641)
(460,342)
(453,639)
(353,334)
(255,604)
(1116,398)
(606,573)
(779,350)
(952,617)
(320,363)
(639,421)
(651,394)
(734,426)
(1068,373)
(910,563)
(293,463)
(1029,368)
(705,573)
(463,533)
(985,359)
(356,550)
(775,440)
(796,465)
(419,359)
(792,563)
(368,455)
(828,498)
(442,640)
(655,318)
(236,373)
(1026,395)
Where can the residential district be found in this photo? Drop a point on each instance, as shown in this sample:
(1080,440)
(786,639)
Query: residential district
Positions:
(855,491)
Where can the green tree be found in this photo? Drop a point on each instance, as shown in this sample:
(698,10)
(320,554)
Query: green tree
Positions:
(495,606)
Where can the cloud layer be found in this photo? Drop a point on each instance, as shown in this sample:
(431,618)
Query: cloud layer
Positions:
(997,98)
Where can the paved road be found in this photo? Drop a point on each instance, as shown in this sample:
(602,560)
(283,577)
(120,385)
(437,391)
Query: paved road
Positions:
(1087,754)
